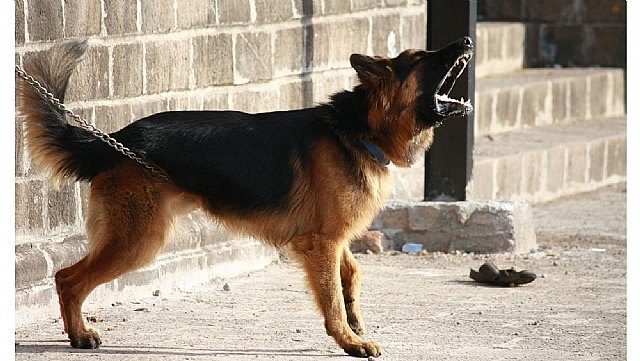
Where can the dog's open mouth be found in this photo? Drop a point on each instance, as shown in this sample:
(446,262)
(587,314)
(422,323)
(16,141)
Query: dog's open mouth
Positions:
(447,106)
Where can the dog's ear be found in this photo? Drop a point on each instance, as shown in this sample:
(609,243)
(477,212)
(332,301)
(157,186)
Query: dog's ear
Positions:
(370,68)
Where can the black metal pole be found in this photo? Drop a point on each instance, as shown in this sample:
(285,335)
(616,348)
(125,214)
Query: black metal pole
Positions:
(449,161)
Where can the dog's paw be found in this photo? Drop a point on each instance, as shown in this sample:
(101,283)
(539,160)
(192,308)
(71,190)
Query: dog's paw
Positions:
(89,338)
(364,349)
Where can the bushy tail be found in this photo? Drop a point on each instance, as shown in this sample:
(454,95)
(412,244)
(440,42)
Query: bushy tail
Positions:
(55,145)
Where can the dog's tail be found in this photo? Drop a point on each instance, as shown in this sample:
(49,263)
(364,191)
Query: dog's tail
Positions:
(55,145)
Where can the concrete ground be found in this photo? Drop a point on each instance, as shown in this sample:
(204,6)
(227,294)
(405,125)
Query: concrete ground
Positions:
(418,307)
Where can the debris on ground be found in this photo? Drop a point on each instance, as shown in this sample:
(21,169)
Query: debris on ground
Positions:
(489,273)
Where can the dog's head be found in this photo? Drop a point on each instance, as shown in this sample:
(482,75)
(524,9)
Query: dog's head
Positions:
(409,94)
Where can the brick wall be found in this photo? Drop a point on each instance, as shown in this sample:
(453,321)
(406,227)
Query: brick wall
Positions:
(566,32)
(147,56)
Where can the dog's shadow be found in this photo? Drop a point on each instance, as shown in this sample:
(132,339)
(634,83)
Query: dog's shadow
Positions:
(60,347)
(470,283)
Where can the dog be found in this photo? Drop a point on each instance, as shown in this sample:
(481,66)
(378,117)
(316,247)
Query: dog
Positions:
(306,181)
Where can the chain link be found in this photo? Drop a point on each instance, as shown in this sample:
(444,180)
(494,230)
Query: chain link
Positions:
(84,124)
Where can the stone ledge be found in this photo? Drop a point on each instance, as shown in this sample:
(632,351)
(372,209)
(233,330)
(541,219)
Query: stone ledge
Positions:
(520,100)
(471,226)
(198,252)
(499,48)
(545,163)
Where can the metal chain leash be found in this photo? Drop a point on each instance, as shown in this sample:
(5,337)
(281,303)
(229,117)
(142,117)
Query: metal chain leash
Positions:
(84,124)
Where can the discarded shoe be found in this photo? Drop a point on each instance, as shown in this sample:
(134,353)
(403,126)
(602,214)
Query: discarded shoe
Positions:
(489,273)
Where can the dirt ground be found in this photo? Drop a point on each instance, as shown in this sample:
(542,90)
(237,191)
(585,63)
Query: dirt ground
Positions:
(418,307)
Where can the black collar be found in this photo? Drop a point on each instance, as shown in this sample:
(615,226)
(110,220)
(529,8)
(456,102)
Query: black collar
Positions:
(375,151)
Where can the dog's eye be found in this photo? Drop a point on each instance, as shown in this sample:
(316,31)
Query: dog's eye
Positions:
(419,56)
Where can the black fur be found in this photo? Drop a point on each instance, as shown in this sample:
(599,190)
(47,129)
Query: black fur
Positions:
(201,152)
(266,144)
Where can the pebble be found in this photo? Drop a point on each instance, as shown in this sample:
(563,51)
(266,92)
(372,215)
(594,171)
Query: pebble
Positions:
(226,287)
(94,319)
(156,293)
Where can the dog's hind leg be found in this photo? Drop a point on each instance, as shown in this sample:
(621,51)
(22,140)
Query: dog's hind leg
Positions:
(60,277)
(127,223)
(320,257)
(351,279)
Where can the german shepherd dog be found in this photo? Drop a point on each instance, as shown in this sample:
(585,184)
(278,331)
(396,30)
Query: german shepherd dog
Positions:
(305,181)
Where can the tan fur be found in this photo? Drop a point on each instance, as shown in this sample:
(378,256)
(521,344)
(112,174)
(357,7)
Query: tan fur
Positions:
(393,120)
(58,63)
(129,215)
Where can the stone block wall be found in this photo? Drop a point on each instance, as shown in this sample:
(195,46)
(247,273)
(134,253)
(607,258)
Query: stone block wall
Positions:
(567,32)
(147,56)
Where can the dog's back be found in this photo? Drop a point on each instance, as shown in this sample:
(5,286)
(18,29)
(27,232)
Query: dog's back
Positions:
(237,162)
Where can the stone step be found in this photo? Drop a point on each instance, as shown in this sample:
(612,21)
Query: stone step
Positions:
(538,97)
(499,48)
(544,163)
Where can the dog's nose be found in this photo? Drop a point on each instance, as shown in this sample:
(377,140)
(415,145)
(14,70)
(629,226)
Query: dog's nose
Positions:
(466,41)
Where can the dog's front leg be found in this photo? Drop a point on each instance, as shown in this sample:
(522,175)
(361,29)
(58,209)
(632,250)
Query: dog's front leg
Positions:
(320,256)
(351,279)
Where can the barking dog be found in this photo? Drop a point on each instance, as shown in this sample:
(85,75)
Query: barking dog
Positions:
(305,181)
